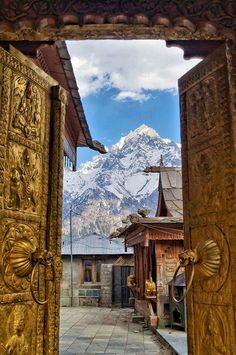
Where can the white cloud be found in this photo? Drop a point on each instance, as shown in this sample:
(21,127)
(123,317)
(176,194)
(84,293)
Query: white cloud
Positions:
(90,78)
(131,95)
(131,67)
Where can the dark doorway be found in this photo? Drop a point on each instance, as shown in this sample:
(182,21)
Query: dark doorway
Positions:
(120,291)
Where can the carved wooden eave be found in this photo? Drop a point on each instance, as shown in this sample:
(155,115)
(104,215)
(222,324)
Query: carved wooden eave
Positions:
(159,19)
(56,61)
(142,234)
(151,228)
(84,138)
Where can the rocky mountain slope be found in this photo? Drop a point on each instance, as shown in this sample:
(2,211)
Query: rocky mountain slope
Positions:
(113,185)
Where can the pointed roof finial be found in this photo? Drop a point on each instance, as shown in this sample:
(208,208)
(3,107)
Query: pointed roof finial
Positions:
(161,161)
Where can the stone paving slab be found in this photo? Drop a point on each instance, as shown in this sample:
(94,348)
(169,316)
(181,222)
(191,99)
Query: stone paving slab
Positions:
(97,331)
(177,339)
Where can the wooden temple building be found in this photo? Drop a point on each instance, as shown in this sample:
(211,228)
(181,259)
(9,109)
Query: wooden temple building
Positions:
(157,242)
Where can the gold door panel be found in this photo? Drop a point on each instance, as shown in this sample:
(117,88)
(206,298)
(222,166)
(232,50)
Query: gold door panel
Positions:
(31,120)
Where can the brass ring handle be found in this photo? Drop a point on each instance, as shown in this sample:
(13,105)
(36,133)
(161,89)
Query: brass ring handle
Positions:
(22,259)
(206,257)
(188,287)
(41,262)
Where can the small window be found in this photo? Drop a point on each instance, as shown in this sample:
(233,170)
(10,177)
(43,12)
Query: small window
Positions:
(88,271)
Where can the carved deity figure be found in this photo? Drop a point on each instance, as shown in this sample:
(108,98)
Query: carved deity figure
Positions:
(27,108)
(213,342)
(210,194)
(22,191)
(17,344)
(28,177)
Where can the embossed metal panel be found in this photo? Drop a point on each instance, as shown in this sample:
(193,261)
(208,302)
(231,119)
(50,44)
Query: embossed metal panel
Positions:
(31,154)
(207,103)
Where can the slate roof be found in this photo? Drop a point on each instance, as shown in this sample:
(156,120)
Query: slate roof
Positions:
(95,245)
(170,186)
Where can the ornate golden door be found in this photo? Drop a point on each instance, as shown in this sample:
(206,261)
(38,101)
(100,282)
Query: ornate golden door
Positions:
(32,109)
(208,124)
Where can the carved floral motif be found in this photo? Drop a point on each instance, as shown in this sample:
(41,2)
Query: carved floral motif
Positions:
(207,190)
(213,332)
(217,282)
(16,232)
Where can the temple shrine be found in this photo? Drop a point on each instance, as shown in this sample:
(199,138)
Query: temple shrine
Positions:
(157,243)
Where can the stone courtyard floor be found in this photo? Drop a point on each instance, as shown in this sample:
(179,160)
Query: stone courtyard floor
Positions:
(93,330)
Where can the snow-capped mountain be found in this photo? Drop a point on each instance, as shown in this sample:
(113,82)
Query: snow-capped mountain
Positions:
(111,186)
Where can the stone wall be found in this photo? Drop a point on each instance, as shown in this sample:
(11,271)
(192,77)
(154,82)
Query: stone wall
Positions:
(88,293)
(106,285)
(66,281)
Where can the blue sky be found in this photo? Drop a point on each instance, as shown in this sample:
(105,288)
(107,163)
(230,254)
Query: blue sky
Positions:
(124,84)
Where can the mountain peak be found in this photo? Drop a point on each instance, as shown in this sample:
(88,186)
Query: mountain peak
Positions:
(141,130)
(144,129)
(111,186)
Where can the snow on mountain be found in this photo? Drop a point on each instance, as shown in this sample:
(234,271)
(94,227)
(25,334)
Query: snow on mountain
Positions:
(142,130)
(111,186)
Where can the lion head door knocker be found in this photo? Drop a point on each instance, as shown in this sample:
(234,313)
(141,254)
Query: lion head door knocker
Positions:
(21,261)
(206,257)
